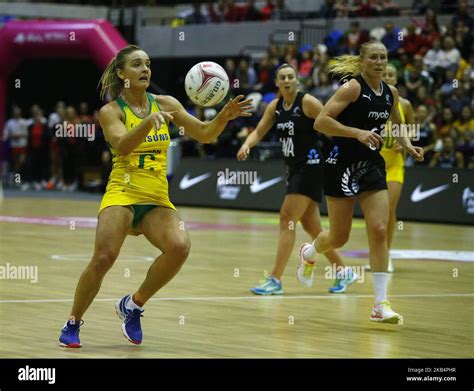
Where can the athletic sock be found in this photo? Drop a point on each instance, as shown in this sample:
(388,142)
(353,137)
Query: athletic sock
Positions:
(310,253)
(380,286)
(130,304)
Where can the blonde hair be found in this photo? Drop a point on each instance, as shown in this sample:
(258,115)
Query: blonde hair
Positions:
(349,65)
(393,67)
(110,80)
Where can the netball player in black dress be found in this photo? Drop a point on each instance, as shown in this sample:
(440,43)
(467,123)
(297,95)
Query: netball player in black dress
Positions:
(355,117)
(293,115)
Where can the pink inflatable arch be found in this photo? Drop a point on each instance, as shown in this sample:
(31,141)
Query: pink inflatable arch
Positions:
(94,39)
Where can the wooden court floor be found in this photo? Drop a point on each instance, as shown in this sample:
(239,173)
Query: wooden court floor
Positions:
(208,310)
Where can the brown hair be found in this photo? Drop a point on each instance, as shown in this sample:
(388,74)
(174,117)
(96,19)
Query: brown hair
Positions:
(283,66)
(110,80)
(348,65)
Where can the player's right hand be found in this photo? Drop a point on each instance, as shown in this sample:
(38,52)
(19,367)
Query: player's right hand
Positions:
(160,117)
(370,139)
(243,153)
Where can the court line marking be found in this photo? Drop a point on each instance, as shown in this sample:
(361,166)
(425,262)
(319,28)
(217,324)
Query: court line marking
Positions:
(229,298)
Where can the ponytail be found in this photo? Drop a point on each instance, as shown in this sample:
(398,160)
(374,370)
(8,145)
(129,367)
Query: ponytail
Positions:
(349,66)
(110,81)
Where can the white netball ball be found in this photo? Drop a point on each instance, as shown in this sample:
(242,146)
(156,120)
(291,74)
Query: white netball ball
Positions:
(206,84)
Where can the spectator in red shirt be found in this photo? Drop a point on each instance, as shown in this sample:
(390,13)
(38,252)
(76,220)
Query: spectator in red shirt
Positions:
(354,38)
(412,42)
(37,152)
(267,10)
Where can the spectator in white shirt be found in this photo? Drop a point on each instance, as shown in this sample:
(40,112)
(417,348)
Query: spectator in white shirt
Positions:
(450,55)
(16,133)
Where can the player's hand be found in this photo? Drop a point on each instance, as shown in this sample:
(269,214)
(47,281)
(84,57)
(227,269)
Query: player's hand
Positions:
(370,139)
(416,152)
(243,153)
(160,118)
(237,107)
(396,146)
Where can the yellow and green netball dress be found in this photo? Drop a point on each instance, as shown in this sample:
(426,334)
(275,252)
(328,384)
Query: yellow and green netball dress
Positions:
(394,160)
(139,179)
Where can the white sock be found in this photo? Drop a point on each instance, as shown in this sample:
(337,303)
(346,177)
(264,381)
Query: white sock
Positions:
(380,286)
(130,304)
(310,253)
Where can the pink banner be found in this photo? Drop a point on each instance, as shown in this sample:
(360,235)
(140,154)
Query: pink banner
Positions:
(94,39)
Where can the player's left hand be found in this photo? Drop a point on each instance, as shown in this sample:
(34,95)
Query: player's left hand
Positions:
(237,107)
(416,152)
(396,146)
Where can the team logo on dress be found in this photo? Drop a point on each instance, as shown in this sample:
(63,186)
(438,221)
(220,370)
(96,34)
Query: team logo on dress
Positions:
(313,157)
(351,177)
(379,114)
(468,200)
(290,126)
(387,97)
(332,158)
(296,112)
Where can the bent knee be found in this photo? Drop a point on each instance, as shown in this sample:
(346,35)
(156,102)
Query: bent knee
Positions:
(180,248)
(287,221)
(103,260)
(339,240)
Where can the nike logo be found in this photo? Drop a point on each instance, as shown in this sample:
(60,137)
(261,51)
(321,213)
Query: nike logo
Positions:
(419,195)
(258,186)
(367,96)
(186,182)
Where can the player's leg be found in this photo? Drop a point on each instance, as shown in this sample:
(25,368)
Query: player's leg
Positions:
(165,230)
(291,211)
(311,222)
(375,206)
(340,221)
(394,192)
(394,187)
(112,228)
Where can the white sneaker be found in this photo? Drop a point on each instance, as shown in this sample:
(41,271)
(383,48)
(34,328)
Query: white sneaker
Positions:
(383,313)
(390,268)
(305,269)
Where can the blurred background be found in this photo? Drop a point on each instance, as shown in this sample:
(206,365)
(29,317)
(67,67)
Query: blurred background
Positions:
(429,42)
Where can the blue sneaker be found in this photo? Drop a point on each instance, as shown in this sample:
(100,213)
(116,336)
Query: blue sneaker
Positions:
(131,328)
(69,337)
(268,286)
(340,284)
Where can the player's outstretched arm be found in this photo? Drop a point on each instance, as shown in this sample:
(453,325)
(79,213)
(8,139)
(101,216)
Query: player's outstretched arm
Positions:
(204,132)
(264,125)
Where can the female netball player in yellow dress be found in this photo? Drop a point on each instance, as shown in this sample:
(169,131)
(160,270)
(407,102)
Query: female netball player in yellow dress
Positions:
(136,200)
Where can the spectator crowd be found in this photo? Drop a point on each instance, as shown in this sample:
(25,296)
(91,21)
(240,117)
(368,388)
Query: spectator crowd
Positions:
(435,66)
